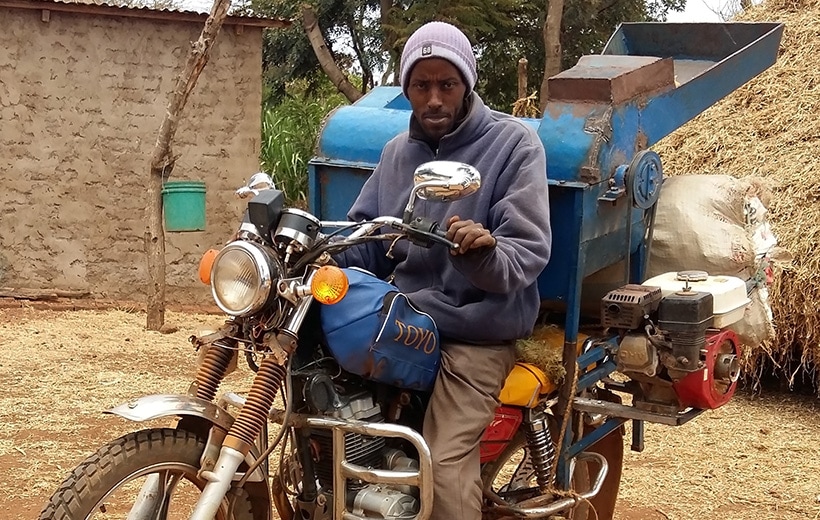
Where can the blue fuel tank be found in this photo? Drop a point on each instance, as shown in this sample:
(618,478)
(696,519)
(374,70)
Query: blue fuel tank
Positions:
(602,117)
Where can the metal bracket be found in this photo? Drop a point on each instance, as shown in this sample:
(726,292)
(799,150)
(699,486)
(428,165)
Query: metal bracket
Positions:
(617,187)
(583,404)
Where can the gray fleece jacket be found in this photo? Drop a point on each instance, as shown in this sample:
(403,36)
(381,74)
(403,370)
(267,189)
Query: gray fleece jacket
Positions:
(487,295)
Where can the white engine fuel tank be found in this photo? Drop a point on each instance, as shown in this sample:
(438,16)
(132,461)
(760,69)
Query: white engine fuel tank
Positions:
(728,292)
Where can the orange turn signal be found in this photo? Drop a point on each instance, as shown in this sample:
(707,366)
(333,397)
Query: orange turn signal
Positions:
(329,285)
(205,264)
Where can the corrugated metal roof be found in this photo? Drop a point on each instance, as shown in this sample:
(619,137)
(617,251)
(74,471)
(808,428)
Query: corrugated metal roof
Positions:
(190,9)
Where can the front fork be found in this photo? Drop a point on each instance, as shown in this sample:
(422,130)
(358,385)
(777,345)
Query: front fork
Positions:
(239,440)
(254,414)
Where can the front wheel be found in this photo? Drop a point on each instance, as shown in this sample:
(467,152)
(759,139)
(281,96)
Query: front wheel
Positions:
(150,474)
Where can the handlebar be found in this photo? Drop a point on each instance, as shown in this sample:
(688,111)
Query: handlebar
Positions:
(420,231)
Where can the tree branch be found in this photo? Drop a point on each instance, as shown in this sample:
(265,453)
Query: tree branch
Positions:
(317,41)
(162,161)
(358,48)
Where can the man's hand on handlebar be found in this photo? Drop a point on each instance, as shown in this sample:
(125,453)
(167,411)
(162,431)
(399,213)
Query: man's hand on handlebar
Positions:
(468,235)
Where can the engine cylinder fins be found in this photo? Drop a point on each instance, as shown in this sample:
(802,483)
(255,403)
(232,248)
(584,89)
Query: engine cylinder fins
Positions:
(686,348)
(212,370)
(254,413)
(360,449)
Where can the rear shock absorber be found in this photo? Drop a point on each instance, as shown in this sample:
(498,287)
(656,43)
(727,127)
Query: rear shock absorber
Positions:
(541,447)
(213,369)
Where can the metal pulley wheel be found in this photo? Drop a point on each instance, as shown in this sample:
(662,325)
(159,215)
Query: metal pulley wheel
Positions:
(643,179)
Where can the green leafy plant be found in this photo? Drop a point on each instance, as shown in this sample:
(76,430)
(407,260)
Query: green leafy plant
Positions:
(289,133)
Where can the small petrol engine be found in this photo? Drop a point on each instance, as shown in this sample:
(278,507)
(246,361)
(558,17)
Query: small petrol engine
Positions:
(675,340)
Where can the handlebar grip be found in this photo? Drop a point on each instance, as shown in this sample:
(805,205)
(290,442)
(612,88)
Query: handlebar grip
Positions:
(424,232)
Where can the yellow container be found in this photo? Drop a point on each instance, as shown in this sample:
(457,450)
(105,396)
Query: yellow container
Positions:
(525,384)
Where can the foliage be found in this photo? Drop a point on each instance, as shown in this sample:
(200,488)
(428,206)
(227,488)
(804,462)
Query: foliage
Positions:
(366,37)
(353,40)
(289,132)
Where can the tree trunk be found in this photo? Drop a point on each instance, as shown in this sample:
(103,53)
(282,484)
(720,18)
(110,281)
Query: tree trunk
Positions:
(162,161)
(552,47)
(317,41)
(390,40)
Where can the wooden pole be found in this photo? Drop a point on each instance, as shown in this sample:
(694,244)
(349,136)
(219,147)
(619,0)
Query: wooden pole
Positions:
(522,78)
(162,161)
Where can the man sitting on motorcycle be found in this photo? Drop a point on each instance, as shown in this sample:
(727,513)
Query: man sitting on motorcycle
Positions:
(483,295)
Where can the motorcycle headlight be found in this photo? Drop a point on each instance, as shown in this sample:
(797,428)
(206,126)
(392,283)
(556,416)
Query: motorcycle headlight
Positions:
(242,276)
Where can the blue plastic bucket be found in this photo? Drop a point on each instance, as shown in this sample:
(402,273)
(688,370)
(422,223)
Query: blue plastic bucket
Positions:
(183,204)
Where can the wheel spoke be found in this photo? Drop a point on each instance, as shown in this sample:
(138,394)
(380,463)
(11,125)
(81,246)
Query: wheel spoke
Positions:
(171,480)
(523,474)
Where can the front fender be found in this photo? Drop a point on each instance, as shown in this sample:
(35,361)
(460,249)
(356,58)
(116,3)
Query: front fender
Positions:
(168,405)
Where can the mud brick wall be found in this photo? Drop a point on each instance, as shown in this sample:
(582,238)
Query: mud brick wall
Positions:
(81,100)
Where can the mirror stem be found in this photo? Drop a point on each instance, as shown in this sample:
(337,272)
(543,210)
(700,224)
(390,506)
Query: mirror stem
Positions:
(408,210)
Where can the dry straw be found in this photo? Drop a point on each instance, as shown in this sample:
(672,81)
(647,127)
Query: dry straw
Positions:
(770,128)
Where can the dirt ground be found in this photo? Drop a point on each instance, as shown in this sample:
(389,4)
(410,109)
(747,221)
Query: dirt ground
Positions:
(757,457)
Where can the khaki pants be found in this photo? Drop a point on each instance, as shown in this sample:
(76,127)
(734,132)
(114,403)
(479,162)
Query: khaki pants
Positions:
(463,403)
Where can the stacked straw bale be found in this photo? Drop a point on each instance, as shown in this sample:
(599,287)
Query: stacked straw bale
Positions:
(770,129)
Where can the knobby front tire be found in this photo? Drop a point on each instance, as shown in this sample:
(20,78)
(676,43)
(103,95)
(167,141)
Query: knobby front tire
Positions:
(106,484)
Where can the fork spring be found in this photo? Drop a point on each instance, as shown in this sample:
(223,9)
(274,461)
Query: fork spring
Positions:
(213,369)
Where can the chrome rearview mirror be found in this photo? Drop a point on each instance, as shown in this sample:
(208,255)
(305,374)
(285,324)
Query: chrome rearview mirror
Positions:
(258,182)
(442,181)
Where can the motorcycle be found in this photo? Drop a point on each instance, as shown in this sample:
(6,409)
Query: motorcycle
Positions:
(348,444)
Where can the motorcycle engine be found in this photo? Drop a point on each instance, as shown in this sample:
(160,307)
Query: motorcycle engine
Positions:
(323,396)
(674,338)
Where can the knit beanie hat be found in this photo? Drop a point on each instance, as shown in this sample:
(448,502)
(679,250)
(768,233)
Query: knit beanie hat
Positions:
(439,40)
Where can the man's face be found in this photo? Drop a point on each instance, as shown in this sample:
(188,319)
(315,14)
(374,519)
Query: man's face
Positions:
(436,92)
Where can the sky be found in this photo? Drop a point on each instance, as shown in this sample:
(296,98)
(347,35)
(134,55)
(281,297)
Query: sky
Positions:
(698,11)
